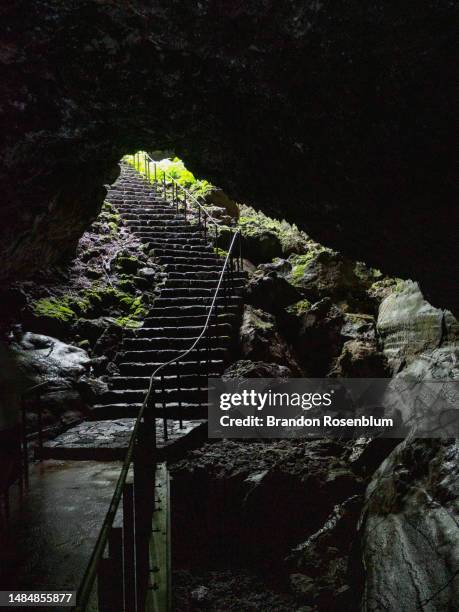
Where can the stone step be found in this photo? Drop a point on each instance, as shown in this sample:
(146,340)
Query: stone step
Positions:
(152,215)
(104,441)
(188,365)
(153,228)
(196,243)
(198,283)
(199,266)
(205,275)
(171,320)
(142,215)
(177,343)
(192,395)
(185,311)
(164,355)
(173,411)
(187,381)
(202,252)
(189,292)
(185,302)
(172,227)
(190,331)
(126,200)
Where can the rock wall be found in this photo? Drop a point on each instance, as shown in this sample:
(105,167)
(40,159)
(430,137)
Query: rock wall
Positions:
(336,115)
(409,327)
(410,530)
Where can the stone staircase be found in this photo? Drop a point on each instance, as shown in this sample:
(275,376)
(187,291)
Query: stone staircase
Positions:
(192,270)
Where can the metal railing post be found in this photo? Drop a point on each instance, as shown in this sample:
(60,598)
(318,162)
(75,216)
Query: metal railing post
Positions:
(129,549)
(179,390)
(163,399)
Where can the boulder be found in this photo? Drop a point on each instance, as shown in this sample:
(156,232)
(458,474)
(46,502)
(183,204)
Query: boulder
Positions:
(44,358)
(109,342)
(256,369)
(440,364)
(282,267)
(409,533)
(260,245)
(359,326)
(36,359)
(217,197)
(320,563)
(360,359)
(281,493)
(260,340)
(270,291)
(92,329)
(323,273)
(409,326)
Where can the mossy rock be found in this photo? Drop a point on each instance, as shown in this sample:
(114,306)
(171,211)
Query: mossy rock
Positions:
(93,273)
(54,308)
(299,308)
(127,285)
(52,316)
(127,264)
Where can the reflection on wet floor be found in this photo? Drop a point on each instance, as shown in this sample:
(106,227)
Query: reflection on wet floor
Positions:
(53,528)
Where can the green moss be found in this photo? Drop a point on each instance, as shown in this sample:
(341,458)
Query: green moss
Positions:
(174,168)
(114,229)
(300,263)
(220,252)
(54,308)
(126,285)
(394,285)
(128,322)
(126,263)
(253,222)
(299,308)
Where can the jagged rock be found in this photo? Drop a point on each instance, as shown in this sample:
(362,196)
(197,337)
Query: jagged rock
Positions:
(440,364)
(200,595)
(147,272)
(92,329)
(42,357)
(109,342)
(282,267)
(325,273)
(409,531)
(256,369)
(408,325)
(360,359)
(359,326)
(270,291)
(281,493)
(91,388)
(34,359)
(217,197)
(320,563)
(260,340)
(261,245)
(318,336)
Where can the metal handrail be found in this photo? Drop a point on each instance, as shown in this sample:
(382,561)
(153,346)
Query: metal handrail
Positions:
(205,326)
(90,575)
(172,179)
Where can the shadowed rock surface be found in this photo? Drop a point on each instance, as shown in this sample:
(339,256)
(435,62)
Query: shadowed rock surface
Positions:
(346,109)
(409,530)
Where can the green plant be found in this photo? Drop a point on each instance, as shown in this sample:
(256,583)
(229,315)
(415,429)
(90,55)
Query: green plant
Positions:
(54,308)
(170,168)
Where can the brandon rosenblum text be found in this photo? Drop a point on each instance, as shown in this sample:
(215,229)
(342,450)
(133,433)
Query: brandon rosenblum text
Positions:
(301,421)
